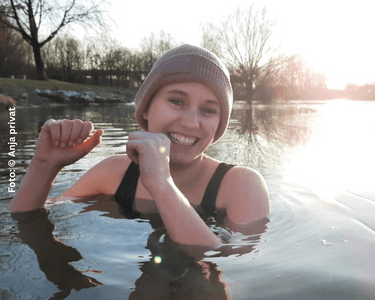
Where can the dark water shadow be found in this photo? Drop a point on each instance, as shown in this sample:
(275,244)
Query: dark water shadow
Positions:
(35,230)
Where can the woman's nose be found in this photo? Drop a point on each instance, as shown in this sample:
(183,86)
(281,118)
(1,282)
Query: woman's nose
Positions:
(190,119)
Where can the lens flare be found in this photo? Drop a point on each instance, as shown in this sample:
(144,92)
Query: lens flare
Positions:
(157,259)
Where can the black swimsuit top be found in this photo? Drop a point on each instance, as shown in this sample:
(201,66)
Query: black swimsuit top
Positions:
(125,194)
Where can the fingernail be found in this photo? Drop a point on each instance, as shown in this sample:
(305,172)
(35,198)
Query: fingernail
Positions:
(79,142)
(57,144)
(62,145)
(70,144)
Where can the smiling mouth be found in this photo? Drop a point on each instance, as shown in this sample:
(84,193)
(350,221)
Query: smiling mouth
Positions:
(181,139)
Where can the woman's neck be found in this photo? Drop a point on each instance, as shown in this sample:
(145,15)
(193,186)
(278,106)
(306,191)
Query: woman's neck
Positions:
(185,174)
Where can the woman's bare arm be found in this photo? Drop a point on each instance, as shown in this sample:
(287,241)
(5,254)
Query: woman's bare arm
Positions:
(35,187)
(182,222)
(60,143)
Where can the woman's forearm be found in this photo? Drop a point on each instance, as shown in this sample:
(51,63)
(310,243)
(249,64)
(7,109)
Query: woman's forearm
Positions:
(35,187)
(182,222)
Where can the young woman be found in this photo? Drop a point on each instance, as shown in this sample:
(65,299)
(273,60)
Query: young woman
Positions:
(183,107)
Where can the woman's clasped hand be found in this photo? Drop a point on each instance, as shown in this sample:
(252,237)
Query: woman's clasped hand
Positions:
(151,152)
(63,142)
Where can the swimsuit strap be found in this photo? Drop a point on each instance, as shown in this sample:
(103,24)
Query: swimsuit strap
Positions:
(125,193)
(209,199)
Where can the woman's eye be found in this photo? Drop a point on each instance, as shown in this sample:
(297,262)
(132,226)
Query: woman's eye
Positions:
(175,102)
(209,111)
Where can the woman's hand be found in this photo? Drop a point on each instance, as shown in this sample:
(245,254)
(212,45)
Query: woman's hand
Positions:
(62,142)
(151,152)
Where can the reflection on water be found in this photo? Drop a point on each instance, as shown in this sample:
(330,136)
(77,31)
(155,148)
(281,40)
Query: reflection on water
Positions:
(168,273)
(262,135)
(318,242)
(35,230)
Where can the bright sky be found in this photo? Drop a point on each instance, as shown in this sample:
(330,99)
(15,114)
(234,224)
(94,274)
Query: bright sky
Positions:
(334,37)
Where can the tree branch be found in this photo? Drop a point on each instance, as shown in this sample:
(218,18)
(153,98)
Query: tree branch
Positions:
(19,27)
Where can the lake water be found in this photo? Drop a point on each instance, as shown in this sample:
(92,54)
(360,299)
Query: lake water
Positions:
(317,243)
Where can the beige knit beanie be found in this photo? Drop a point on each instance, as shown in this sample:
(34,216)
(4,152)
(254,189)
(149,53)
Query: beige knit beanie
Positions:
(187,64)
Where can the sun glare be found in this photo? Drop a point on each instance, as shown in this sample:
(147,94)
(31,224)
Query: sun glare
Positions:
(340,152)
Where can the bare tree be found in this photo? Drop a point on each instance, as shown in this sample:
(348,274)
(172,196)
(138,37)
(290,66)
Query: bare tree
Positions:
(294,80)
(95,55)
(53,57)
(63,57)
(33,18)
(15,53)
(9,42)
(155,46)
(211,39)
(243,41)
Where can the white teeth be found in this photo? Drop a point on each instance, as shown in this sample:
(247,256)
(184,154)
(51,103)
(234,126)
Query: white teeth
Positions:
(182,140)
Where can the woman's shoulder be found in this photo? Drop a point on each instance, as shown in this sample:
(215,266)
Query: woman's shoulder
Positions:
(235,175)
(235,172)
(103,178)
(244,178)
(244,195)
(239,172)
(115,165)
(119,159)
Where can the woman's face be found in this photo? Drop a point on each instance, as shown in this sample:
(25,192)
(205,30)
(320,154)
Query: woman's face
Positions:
(189,114)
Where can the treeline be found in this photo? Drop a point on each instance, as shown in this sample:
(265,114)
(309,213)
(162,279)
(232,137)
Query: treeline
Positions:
(359,92)
(292,80)
(98,60)
(102,60)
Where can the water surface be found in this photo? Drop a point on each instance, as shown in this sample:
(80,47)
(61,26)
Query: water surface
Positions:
(317,243)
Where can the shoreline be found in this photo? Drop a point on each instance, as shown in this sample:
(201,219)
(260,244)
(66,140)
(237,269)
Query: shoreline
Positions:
(29,93)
